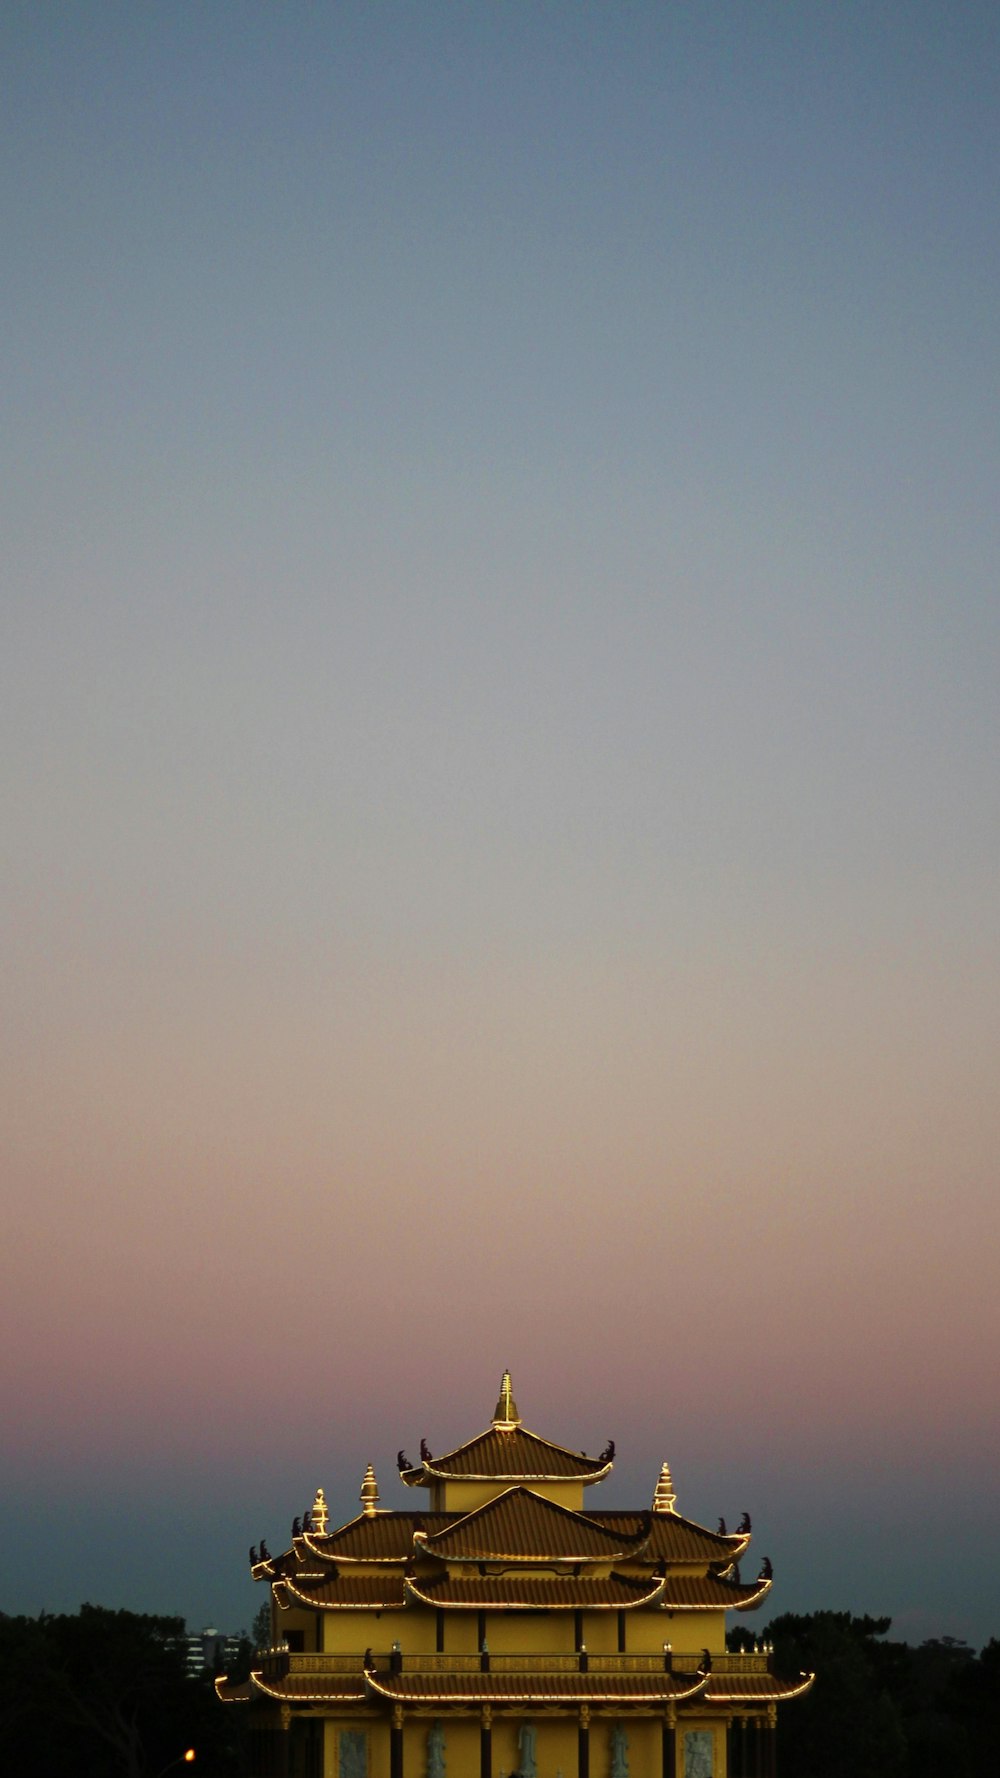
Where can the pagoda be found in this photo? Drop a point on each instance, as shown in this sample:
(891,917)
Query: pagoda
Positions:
(504,1630)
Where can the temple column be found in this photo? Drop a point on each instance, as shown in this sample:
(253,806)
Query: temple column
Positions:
(737,1762)
(758,1747)
(583,1743)
(771,1742)
(396,1742)
(486,1742)
(668,1759)
(283,1752)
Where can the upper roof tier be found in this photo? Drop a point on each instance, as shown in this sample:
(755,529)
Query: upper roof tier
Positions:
(508,1495)
(506,1452)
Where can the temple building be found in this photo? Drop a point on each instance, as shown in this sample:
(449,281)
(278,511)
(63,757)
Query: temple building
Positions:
(505,1628)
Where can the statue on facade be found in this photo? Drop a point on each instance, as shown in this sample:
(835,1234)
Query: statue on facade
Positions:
(435,1750)
(526,1763)
(619,1752)
(353,1751)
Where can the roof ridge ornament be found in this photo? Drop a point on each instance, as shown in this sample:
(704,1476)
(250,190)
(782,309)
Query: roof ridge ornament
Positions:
(505,1414)
(369,1495)
(320,1515)
(664,1498)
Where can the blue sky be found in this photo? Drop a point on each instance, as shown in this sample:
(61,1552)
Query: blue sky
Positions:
(500,765)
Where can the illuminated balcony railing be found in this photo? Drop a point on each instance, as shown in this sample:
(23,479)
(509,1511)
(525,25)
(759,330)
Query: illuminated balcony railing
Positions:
(278,1662)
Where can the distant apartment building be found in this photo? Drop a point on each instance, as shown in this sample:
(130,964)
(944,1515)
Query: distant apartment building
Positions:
(210,1651)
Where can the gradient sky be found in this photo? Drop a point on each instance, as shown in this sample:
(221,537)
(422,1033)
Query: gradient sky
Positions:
(500,773)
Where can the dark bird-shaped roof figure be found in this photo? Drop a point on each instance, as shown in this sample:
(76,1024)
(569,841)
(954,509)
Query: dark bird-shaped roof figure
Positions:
(265,1554)
(253,1555)
(766,1571)
(722,1528)
(744,1524)
(608,1453)
(425,1451)
(296,1526)
(705,1664)
(307,1521)
(402,1461)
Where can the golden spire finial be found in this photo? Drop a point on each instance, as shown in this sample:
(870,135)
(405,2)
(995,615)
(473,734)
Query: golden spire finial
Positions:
(505,1413)
(664,1499)
(320,1515)
(369,1491)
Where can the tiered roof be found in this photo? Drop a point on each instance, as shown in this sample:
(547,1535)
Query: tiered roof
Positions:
(529,1551)
(520,1549)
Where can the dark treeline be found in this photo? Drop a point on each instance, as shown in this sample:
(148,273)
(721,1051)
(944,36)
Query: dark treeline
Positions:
(104,1694)
(882,1709)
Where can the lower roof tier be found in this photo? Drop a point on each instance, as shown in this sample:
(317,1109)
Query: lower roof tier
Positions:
(516,1592)
(651,1690)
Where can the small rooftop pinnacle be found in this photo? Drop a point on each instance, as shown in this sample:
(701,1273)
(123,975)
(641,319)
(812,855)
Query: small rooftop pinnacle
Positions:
(505,1414)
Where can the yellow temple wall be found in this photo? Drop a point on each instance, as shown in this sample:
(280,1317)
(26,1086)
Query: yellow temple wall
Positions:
(600,1632)
(687,1632)
(461,1749)
(464,1497)
(417,1632)
(460,1633)
(351,1632)
(298,1620)
(645,1748)
(504,1743)
(348,1632)
(515,1632)
(509,1632)
(647,1631)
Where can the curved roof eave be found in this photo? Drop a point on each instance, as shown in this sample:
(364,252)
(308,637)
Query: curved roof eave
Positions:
(412,1591)
(483,1688)
(779,1692)
(576,1465)
(429,1472)
(328,1696)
